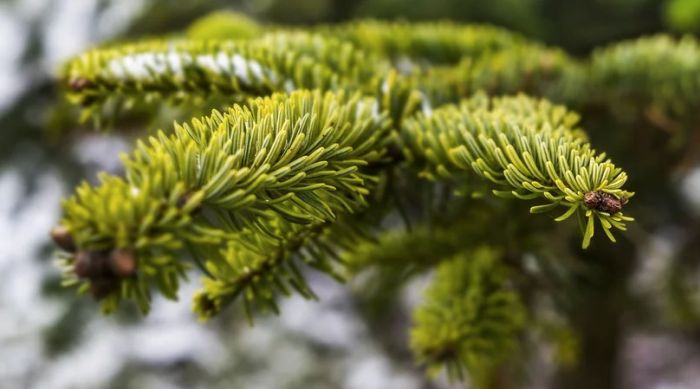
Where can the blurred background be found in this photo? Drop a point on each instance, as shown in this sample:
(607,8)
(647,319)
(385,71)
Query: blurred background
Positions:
(49,338)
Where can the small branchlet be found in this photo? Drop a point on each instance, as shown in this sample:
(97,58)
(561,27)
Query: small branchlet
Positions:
(528,148)
(195,70)
(658,72)
(470,317)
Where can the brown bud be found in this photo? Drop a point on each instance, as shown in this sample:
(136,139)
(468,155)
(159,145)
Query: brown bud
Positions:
(604,202)
(103,287)
(610,204)
(78,84)
(92,264)
(63,238)
(592,199)
(100,265)
(81,264)
(122,262)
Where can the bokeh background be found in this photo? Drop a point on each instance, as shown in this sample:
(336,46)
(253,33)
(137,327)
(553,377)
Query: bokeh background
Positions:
(49,338)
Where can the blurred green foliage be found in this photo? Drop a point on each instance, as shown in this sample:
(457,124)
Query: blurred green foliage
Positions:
(683,15)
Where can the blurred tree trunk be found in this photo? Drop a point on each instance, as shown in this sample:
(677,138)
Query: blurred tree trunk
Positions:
(597,318)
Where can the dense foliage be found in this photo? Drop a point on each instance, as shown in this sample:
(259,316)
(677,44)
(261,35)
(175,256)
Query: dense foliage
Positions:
(325,137)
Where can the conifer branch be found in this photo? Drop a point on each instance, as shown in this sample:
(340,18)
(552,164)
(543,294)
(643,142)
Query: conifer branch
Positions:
(660,71)
(257,268)
(431,42)
(528,68)
(298,158)
(529,149)
(251,192)
(470,317)
(182,70)
(404,252)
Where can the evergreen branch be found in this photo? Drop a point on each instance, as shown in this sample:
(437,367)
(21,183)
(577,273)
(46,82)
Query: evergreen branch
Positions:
(256,268)
(434,42)
(469,319)
(250,192)
(193,69)
(296,157)
(660,71)
(527,68)
(398,97)
(529,149)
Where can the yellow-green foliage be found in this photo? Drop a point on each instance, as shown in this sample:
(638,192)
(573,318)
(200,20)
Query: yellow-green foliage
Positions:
(430,42)
(528,148)
(180,70)
(322,125)
(247,163)
(658,72)
(470,317)
(224,25)
(298,157)
(402,250)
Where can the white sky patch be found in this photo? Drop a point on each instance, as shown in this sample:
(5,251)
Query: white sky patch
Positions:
(12,81)
(25,219)
(101,152)
(691,189)
(67,29)
(65,33)
(117,16)
(323,321)
(374,371)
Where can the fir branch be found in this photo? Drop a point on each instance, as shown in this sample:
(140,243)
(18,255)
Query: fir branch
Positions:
(181,70)
(256,268)
(529,149)
(406,251)
(660,71)
(296,157)
(469,319)
(527,68)
(249,190)
(433,42)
